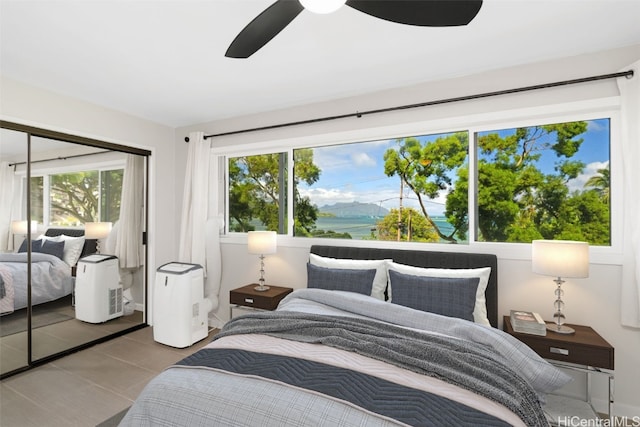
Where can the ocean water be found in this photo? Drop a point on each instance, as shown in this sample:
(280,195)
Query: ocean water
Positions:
(360,227)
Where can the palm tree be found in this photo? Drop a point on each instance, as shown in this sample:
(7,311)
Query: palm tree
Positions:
(601,184)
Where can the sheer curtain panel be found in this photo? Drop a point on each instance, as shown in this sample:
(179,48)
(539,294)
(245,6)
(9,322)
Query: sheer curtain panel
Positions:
(630,105)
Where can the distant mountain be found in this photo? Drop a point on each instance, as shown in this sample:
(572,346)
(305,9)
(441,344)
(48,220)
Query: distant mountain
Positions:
(351,209)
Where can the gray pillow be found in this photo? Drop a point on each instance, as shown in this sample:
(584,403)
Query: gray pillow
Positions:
(35,246)
(53,248)
(340,279)
(448,296)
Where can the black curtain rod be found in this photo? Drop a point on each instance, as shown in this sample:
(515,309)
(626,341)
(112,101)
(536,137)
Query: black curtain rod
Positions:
(628,74)
(60,158)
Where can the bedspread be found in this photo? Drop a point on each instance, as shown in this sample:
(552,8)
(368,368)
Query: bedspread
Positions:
(7,291)
(465,364)
(340,359)
(50,277)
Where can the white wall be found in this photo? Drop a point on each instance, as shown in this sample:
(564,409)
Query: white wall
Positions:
(44,109)
(594,301)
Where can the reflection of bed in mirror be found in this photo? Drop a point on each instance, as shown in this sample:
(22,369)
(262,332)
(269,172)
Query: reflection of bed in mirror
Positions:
(74,181)
(53,257)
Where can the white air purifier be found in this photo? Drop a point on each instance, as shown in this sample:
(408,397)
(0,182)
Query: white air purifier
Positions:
(98,292)
(179,308)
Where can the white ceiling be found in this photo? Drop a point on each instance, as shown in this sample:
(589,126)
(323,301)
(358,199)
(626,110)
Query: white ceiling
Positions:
(164,60)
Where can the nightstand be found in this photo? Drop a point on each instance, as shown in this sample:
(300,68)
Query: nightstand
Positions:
(246,299)
(584,351)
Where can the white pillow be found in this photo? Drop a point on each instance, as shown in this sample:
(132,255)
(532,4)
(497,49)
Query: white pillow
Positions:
(72,248)
(379,280)
(480,309)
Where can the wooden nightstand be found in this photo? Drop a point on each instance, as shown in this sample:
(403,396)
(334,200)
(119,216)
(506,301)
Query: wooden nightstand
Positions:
(585,347)
(585,351)
(246,299)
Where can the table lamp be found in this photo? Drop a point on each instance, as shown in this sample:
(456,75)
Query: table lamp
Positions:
(560,258)
(261,243)
(97,230)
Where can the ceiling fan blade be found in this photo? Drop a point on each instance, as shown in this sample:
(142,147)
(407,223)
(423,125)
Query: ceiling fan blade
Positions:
(263,28)
(425,13)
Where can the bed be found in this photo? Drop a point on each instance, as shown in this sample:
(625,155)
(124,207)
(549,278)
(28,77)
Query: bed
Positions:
(344,351)
(52,260)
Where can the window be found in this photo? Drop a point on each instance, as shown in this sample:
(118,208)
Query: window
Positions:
(110,194)
(547,181)
(393,189)
(257,193)
(70,199)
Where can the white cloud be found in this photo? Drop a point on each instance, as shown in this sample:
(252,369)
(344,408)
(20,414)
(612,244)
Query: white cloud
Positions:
(363,159)
(590,170)
(327,196)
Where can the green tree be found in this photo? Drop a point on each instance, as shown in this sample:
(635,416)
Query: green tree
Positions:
(414,227)
(517,202)
(257,191)
(601,184)
(75,198)
(110,194)
(426,169)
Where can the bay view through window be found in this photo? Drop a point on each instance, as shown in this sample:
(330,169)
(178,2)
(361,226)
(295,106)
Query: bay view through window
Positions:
(546,181)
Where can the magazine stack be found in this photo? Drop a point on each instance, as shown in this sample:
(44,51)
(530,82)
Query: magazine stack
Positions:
(527,322)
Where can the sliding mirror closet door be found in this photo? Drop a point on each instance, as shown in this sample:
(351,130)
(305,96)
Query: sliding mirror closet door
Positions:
(99,224)
(86,277)
(13,265)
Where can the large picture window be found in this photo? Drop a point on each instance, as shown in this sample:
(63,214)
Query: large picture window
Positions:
(393,189)
(547,181)
(71,199)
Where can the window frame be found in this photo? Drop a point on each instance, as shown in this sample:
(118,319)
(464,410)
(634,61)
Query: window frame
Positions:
(608,107)
(46,172)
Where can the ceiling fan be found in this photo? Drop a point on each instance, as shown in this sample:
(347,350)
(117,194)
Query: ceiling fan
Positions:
(426,13)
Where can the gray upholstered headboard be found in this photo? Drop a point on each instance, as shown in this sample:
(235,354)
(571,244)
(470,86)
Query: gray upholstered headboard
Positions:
(90,245)
(426,259)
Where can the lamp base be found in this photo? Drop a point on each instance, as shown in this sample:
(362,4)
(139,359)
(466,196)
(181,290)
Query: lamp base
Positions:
(261,288)
(560,329)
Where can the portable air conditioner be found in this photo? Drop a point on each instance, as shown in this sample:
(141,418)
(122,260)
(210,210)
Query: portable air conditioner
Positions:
(98,292)
(179,308)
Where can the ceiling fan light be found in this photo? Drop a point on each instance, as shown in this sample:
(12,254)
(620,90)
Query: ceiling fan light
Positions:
(322,6)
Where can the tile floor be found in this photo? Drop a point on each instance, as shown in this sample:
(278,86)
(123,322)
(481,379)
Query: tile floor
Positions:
(87,387)
(57,337)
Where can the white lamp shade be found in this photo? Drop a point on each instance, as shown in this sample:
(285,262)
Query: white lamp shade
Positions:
(560,258)
(262,242)
(322,6)
(20,227)
(97,230)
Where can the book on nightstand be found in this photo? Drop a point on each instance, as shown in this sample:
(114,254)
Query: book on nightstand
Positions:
(528,322)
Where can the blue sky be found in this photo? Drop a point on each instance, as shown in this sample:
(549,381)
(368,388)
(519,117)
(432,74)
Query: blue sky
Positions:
(355,172)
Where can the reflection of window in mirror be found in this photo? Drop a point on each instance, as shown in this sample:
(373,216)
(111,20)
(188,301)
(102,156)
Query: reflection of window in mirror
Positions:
(73,189)
(68,185)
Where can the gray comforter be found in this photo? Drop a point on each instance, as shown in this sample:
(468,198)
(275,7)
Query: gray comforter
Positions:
(50,277)
(329,358)
(463,363)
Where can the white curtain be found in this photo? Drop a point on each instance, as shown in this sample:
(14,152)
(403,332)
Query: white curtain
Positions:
(7,195)
(195,202)
(214,260)
(130,225)
(630,106)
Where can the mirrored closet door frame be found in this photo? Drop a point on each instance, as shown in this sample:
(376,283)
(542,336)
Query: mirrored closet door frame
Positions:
(31,132)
